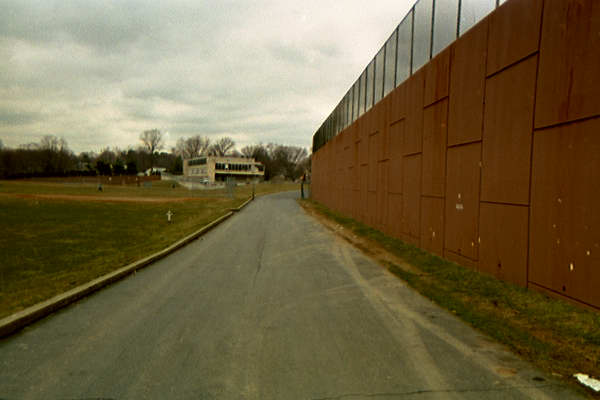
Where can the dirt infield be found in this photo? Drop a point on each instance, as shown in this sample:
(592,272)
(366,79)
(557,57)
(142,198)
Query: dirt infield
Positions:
(99,198)
(119,180)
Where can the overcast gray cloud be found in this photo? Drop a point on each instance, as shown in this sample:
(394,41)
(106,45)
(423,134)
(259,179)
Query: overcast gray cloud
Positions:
(100,72)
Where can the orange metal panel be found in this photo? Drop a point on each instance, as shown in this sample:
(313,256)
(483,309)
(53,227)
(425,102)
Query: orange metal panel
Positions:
(414,117)
(356,131)
(397,109)
(348,136)
(356,204)
(464,261)
(507,134)
(568,87)
(503,241)
(338,178)
(363,151)
(371,208)
(462,200)
(347,159)
(384,149)
(356,167)
(395,214)
(437,78)
(467,83)
(364,176)
(395,175)
(346,205)
(373,148)
(411,210)
(326,172)
(370,124)
(514,33)
(353,179)
(382,182)
(384,142)
(412,240)
(432,225)
(435,129)
(565,217)
(378,117)
(365,128)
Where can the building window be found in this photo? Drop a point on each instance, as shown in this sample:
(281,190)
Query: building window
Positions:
(197,161)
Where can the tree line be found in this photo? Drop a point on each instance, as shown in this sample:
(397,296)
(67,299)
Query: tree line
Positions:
(52,157)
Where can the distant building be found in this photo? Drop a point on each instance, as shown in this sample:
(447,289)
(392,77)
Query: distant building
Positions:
(210,169)
(155,170)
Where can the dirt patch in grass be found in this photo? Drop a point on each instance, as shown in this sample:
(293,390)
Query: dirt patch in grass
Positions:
(157,190)
(97,198)
(557,337)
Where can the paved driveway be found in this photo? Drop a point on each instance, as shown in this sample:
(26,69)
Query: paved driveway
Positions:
(270,305)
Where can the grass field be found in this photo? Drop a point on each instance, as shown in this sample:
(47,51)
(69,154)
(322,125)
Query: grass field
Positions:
(558,337)
(51,244)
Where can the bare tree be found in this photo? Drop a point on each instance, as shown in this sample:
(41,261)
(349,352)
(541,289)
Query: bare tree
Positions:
(107,155)
(253,150)
(152,141)
(193,146)
(296,154)
(55,154)
(222,146)
(50,142)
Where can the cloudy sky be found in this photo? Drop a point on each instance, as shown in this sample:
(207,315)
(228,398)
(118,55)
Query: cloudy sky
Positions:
(98,73)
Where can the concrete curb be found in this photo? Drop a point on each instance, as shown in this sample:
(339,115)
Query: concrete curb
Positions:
(19,320)
(241,206)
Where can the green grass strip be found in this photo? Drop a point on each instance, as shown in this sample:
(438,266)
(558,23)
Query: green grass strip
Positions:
(556,336)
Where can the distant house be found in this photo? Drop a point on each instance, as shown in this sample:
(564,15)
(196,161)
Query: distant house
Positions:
(210,169)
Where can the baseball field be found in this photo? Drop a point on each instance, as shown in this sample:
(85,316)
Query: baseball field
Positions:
(58,235)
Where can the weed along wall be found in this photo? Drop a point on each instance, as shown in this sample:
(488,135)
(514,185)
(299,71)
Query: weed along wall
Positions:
(487,155)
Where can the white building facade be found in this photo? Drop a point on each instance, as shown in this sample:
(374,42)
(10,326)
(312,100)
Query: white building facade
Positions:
(211,169)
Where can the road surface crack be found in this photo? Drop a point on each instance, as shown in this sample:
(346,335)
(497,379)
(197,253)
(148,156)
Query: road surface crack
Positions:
(261,250)
(426,391)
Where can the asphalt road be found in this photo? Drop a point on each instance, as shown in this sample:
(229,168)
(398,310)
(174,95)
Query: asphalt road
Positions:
(269,305)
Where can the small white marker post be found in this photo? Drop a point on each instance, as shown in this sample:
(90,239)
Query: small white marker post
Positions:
(169,214)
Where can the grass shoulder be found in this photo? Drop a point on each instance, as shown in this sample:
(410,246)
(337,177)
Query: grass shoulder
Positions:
(557,337)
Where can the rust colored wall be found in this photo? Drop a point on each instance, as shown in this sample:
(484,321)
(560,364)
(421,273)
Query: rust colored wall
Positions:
(489,155)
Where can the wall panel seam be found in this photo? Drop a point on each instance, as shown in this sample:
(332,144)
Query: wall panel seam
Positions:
(432,196)
(435,102)
(503,203)
(562,294)
(565,123)
(537,74)
(501,70)
(462,256)
(451,146)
